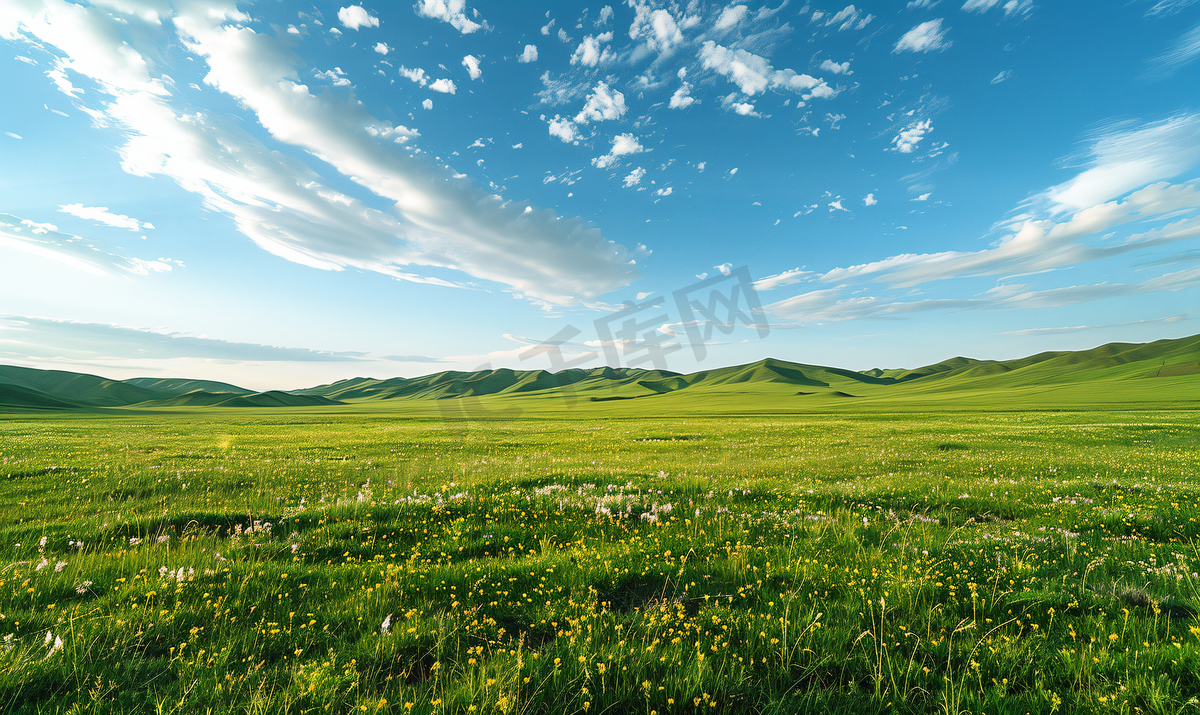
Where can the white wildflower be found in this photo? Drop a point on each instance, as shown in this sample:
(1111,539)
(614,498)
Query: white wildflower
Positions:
(386,627)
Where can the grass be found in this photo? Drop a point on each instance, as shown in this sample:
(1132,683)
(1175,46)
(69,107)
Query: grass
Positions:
(600,561)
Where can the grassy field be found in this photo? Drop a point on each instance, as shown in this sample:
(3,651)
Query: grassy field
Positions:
(345,560)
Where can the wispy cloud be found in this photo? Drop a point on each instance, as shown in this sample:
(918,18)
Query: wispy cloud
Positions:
(753,74)
(101,215)
(1081,328)
(23,338)
(1181,52)
(45,240)
(926,37)
(827,305)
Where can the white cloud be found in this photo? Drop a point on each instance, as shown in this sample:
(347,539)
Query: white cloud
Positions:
(1181,52)
(285,207)
(730,17)
(666,191)
(922,197)
(870,200)
(445,86)
(606,14)
(837,206)
(1166,8)
(1127,156)
(382,48)
(59,77)
(602,105)
(564,129)
(779,280)
(451,11)
(921,4)
(335,75)
(907,140)
(634,178)
(847,13)
(428,104)
(1017,7)
(847,18)
(725,268)
(682,99)
(546,27)
(563,37)
(45,240)
(101,214)
(416,75)
(753,74)
(356,17)
(836,68)
(1040,244)
(46,337)
(926,37)
(623,144)
(1002,77)
(1011,7)
(472,64)
(746,109)
(590,52)
(661,31)
(1093,216)
(529,55)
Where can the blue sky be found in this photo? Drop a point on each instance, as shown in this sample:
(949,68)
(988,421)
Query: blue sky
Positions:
(286,194)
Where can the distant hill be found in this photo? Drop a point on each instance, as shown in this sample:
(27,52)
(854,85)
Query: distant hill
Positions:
(452,383)
(178,386)
(75,387)
(1116,373)
(28,388)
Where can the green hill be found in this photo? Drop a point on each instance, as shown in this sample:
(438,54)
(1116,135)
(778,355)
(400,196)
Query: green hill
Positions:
(26,397)
(179,386)
(1164,371)
(88,390)
(201,398)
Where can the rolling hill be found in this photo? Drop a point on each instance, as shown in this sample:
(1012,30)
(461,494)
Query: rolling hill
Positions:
(1164,371)
(28,388)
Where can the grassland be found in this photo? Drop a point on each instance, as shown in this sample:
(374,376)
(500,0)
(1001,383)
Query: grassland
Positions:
(600,560)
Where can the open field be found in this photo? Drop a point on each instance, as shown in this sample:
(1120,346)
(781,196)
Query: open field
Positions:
(355,559)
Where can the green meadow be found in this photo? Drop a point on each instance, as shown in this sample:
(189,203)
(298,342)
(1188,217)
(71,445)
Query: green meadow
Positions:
(769,553)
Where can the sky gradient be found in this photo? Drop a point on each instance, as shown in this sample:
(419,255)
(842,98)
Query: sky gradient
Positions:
(285,194)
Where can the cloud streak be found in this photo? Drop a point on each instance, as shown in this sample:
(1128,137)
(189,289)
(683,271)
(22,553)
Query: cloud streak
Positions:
(101,215)
(46,241)
(45,337)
